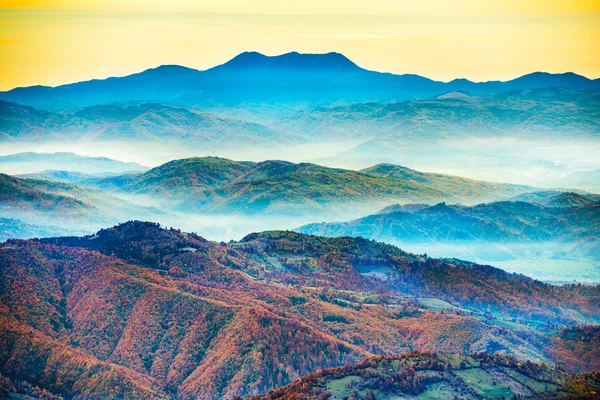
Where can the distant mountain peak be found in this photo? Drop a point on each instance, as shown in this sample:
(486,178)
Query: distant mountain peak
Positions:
(292,61)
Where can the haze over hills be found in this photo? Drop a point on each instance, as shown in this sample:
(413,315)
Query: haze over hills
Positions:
(431,134)
(226,199)
(30,162)
(35,208)
(137,311)
(141,123)
(291,79)
(530,114)
(555,241)
(299,226)
(554,198)
(322,108)
(514,221)
(217,185)
(467,135)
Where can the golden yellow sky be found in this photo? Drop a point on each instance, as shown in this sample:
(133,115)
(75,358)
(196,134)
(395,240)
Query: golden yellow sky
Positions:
(54,42)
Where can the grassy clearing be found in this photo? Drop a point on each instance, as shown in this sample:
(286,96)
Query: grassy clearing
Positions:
(483,382)
(436,304)
(339,387)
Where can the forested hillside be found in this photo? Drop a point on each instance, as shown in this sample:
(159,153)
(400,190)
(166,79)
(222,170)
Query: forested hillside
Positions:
(139,311)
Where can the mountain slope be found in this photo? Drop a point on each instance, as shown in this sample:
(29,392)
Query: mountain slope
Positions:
(41,196)
(218,185)
(154,313)
(182,178)
(290,79)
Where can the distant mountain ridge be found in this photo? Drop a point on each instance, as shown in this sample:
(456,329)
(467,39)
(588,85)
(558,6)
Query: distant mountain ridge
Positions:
(538,113)
(252,60)
(31,162)
(568,220)
(149,122)
(290,78)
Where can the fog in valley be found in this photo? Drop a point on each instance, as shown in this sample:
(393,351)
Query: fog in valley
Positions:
(544,164)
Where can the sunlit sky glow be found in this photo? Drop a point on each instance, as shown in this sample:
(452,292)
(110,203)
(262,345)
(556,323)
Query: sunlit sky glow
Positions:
(56,42)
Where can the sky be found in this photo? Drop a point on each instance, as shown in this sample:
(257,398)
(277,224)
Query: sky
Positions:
(56,42)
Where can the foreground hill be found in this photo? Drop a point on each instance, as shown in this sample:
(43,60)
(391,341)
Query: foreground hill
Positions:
(137,311)
(286,80)
(426,375)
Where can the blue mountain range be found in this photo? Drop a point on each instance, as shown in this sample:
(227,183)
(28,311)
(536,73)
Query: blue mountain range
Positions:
(287,79)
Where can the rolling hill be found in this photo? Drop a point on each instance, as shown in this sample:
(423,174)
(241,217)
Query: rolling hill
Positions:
(222,186)
(282,188)
(43,196)
(287,80)
(138,311)
(213,185)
